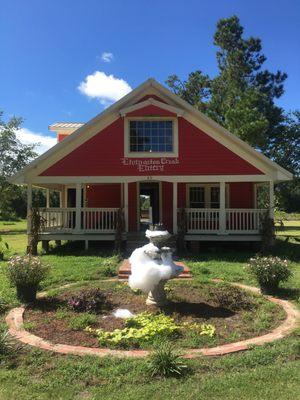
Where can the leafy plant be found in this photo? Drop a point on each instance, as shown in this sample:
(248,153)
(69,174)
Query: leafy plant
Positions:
(232,298)
(3,305)
(166,362)
(109,271)
(6,344)
(88,300)
(26,270)
(80,322)
(3,248)
(267,230)
(147,328)
(37,222)
(200,329)
(142,328)
(269,271)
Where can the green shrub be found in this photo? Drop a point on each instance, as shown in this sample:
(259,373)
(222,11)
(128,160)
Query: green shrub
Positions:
(6,344)
(109,271)
(80,322)
(91,300)
(269,271)
(3,306)
(3,248)
(232,297)
(166,362)
(26,270)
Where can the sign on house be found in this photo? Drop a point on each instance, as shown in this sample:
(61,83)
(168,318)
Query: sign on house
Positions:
(150,165)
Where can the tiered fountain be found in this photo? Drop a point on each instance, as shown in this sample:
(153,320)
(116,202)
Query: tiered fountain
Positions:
(152,266)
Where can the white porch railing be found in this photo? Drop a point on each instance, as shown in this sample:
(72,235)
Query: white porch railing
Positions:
(202,220)
(58,219)
(99,219)
(93,220)
(244,220)
(237,221)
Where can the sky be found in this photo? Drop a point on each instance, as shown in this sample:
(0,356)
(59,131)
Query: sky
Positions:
(66,60)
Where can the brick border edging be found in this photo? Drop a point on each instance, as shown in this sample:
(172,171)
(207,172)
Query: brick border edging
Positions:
(14,320)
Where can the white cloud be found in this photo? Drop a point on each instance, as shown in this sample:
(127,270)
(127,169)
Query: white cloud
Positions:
(107,56)
(106,88)
(43,143)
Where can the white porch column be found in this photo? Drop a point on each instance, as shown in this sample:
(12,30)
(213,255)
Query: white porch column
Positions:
(78,207)
(174,208)
(60,193)
(47,198)
(29,206)
(222,220)
(271,199)
(126,205)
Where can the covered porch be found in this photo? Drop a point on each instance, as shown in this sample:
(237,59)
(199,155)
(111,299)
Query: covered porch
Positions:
(208,204)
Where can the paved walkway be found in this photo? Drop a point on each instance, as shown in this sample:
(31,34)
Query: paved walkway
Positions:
(14,320)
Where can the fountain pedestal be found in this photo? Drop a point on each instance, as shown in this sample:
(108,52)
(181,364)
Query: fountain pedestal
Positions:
(157,297)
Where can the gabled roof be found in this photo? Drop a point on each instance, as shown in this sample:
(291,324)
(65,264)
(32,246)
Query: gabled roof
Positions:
(174,104)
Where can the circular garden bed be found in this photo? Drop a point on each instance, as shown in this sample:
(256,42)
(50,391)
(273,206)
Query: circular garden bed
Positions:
(198,315)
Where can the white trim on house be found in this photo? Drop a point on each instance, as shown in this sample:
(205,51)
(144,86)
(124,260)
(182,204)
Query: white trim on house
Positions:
(175,110)
(111,114)
(139,178)
(134,154)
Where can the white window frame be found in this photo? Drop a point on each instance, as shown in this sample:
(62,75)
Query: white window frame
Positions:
(146,154)
(207,199)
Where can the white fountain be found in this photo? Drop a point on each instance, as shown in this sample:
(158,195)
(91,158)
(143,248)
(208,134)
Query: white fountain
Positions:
(152,266)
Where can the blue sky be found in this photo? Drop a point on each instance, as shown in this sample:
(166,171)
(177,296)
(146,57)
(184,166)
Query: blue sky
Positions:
(52,48)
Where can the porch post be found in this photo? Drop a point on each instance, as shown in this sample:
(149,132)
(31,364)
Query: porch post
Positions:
(47,198)
(78,207)
(174,208)
(126,205)
(29,206)
(271,199)
(60,193)
(222,219)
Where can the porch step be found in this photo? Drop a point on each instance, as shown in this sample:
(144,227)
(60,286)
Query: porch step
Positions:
(125,270)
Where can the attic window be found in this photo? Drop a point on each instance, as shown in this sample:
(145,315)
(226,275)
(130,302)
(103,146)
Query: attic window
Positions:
(151,136)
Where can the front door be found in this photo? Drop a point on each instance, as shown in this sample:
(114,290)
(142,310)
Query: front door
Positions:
(148,204)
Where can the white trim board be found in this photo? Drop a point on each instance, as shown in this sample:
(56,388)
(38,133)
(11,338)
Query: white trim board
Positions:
(164,178)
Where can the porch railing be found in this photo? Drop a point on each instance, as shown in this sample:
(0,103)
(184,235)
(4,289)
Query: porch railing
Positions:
(200,220)
(237,221)
(93,220)
(244,220)
(99,219)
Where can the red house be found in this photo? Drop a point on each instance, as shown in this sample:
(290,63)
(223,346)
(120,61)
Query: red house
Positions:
(151,154)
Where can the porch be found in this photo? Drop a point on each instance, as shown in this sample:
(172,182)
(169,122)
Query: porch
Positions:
(100,224)
(214,211)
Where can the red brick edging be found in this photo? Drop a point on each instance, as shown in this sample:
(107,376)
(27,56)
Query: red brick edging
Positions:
(14,320)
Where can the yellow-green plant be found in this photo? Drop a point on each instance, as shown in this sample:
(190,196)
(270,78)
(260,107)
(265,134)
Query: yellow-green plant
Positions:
(147,328)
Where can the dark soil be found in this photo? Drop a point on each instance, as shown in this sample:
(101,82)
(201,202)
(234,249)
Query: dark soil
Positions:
(50,317)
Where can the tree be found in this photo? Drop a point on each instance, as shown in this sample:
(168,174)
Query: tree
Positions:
(242,96)
(13,156)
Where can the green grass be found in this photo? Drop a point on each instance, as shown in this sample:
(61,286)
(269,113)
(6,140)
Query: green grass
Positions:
(13,226)
(271,371)
(287,216)
(290,228)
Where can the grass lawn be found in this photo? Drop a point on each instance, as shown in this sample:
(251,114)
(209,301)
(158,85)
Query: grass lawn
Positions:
(13,226)
(271,371)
